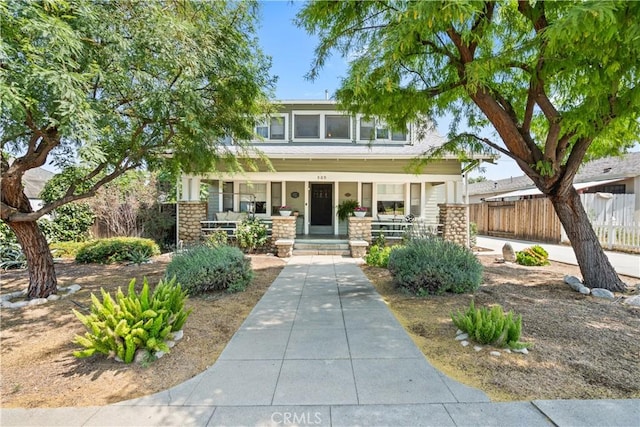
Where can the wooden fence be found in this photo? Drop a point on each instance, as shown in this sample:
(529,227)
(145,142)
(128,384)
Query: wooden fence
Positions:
(532,219)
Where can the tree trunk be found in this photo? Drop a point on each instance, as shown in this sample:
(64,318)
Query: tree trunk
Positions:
(42,274)
(597,271)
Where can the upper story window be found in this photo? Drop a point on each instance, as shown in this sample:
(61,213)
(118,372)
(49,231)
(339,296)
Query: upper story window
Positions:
(317,125)
(337,127)
(273,128)
(376,130)
(306,126)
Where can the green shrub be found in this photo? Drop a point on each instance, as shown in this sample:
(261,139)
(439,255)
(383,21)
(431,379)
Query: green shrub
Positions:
(378,256)
(491,326)
(473,234)
(251,234)
(116,249)
(203,269)
(66,249)
(134,321)
(380,241)
(11,256)
(533,256)
(432,266)
(216,238)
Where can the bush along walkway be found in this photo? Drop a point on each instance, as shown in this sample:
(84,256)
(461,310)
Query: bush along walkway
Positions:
(322,348)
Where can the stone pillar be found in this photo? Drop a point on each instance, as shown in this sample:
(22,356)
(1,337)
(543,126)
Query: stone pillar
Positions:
(189,216)
(360,228)
(454,222)
(283,234)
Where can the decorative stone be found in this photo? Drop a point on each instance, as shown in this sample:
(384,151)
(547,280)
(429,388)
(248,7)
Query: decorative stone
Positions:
(53,297)
(73,288)
(495,353)
(508,253)
(462,337)
(584,290)
(507,350)
(477,348)
(158,354)
(19,304)
(459,332)
(635,301)
(37,301)
(573,281)
(140,356)
(177,335)
(464,343)
(603,293)
(170,343)
(521,350)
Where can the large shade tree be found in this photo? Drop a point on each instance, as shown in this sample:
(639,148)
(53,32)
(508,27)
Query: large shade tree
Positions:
(558,81)
(117,85)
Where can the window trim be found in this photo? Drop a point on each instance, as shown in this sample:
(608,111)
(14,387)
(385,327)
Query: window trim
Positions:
(322,129)
(266,122)
(380,124)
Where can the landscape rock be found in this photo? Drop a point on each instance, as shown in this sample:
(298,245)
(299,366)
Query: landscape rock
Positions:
(508,253)
(159,354)
(19,304)
(459,332)
(462,337)
(507,350)
(170,344)
(177,335)
(53,297)
(477,348)
(37,301)
(574,282)
(584,290)
(603,293)
(464,343)
(521,350)
(495,353)
(73,288)
(635,301)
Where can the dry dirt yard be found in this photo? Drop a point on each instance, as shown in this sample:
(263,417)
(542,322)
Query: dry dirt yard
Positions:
(584,348)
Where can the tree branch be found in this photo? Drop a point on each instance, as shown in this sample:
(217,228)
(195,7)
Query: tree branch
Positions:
(11,214)
(525,166)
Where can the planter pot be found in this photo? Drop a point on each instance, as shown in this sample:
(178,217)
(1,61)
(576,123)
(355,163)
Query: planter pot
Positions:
(360,214)
(285,213)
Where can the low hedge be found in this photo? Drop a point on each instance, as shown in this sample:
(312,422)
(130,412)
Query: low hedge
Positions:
(117,249)
(433,266)
(204,269)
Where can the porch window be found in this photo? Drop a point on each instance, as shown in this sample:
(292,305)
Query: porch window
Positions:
(307,126)
(382,133)
(337,127)
(253,198)
(276,197)
(391,199)
(227,196)
(367,196)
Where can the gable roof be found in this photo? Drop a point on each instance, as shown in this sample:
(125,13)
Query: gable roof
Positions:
(607,168)
(34,181)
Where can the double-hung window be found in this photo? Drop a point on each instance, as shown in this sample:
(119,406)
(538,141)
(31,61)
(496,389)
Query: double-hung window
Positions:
(337,127)
(253,198)
(273,128)
(320,125)
(377,130)
(306,126)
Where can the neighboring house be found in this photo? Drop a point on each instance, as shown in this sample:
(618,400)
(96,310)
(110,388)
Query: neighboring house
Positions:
(612,175)
(34,181)
(322,157)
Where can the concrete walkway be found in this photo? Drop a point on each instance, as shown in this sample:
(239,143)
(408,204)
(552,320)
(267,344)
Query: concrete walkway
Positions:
(322,348)
(623,263)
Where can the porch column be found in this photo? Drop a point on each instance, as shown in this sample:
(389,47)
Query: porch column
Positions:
(454,221)
(190,214)
(283,234)
(360,228)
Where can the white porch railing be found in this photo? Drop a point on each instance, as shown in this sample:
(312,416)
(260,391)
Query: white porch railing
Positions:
(396,228)
(229,227)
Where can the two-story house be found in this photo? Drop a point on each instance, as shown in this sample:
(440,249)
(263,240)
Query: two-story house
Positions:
(321,157)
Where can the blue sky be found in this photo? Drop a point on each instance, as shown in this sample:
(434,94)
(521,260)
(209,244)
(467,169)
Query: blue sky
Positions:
(291,50)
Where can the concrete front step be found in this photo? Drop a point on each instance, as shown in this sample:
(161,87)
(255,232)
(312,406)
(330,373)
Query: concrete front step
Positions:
(339,252)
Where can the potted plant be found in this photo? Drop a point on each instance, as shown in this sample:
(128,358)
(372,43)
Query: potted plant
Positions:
(285,210)
(360,211)
(346,208)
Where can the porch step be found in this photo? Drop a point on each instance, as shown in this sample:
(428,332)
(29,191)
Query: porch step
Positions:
(321,247)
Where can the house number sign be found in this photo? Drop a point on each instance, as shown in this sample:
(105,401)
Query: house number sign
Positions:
(321,177)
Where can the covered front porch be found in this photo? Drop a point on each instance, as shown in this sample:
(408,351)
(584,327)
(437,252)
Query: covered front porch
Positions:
(393,201)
